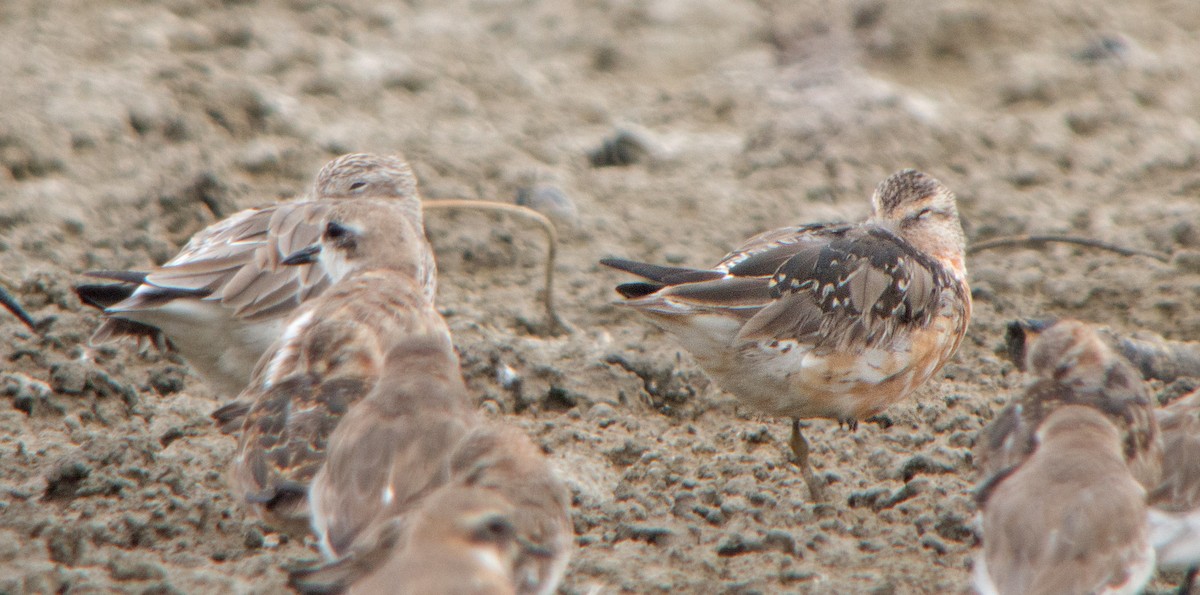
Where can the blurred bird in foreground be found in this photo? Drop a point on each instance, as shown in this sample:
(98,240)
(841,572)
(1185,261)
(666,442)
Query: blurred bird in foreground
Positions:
(330,355)
(1175,504)
(417,497)
(1065,469)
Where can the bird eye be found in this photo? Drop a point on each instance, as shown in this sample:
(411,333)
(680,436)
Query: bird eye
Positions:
(495,530)
(359,185)
(336,231)
(920,215)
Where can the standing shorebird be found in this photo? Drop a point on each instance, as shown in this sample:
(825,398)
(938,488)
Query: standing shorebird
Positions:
(225,297)
(330,355)
(826,320)
(1064,473)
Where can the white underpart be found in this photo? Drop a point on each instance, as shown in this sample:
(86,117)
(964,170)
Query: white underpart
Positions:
(1175,537)
(221,348)
(1140,572)
(288,347)
(489,559)
(334,262)
(981,580)
(317,520)
(388,495)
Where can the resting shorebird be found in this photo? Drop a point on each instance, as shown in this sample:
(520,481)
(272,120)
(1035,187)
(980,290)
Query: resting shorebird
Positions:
(1175,504)
(825,320)
(459,541)
(1064,470)
(500,524)
(392,447)
(507,463)
(1073,364)
(225,297)
(330,355)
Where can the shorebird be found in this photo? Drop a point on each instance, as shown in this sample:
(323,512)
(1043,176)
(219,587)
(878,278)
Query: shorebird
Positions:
(462,541)
(824,320)
(225,297)
(330,354)
(506,462)
(392,447)
(1064,473)
(1174,516)
(500,524)
(1073,364)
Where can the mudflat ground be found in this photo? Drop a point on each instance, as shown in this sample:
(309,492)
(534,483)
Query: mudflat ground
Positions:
(128,126)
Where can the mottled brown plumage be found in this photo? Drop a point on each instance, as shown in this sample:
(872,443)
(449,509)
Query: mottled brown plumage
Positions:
(1072,364)
(827,320)
(461,541)
(225,297)
(1071,518)
(393,447)
(330,355)
(434,545)
(1064,470)
(1174,517)
(1179,424)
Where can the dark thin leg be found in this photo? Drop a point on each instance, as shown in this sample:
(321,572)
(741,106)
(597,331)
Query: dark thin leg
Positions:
(1186,587)
(816,488)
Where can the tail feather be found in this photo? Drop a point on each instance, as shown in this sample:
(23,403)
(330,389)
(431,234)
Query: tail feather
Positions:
(661,274)
(229,418)
(134,277)
(103,295)
(637,289)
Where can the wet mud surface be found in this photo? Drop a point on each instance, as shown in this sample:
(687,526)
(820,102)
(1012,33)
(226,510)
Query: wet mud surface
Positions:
(665,131)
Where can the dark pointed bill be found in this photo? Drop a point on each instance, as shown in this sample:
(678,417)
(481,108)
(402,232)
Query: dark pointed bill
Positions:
(303,256)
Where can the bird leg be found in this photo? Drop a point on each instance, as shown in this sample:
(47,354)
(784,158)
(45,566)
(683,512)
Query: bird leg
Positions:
(816,488)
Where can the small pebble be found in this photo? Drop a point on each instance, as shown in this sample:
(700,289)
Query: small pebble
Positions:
(550,201)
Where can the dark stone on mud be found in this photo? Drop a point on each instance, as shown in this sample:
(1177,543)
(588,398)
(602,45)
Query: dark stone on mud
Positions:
(921,465)
(955,528)
(64,480)
(69,378)
(654,535)
(124,567)
(65,544)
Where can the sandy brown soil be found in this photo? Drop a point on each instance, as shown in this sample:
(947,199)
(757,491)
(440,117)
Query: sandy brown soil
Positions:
(128,126)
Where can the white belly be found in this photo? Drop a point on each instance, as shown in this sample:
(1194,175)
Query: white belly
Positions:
(222,349)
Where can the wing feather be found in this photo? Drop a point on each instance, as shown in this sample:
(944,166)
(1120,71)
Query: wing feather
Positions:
(237,262)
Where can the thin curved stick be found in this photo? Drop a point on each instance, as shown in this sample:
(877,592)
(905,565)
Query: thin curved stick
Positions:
(1037,240)
(554,324)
